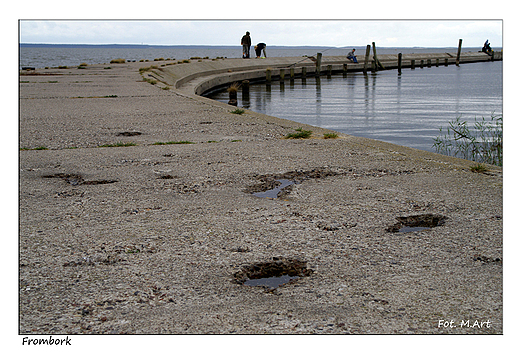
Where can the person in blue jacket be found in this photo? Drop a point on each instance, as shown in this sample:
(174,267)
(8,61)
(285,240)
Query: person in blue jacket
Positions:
(351,56)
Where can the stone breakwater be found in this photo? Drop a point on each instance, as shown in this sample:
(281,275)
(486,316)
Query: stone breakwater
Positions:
(137,216)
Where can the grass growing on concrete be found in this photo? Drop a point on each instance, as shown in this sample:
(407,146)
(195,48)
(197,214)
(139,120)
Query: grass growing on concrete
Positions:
(238,111)
(299,134)
(37,148)
(479,168)
(330,135)
(173,142)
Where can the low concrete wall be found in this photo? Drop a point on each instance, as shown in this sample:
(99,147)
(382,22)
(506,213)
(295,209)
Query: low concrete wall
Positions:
(201,77)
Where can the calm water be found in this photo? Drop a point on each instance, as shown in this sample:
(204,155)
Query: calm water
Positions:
(41,57)
(406,110)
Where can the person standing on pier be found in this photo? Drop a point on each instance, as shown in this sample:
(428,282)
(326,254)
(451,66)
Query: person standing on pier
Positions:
(351,56)
(258,49)
(246,45)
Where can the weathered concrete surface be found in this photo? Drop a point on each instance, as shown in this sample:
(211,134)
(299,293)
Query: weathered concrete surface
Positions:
(156,251)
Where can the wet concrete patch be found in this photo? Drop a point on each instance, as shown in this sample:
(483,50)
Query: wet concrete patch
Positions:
(76,179)
(417,223)
(272,274)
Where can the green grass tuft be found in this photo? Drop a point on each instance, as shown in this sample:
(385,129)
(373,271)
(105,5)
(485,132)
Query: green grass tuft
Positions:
(300,134)
(173,142)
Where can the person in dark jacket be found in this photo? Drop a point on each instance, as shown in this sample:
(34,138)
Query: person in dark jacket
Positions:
(246,45)
(258,49)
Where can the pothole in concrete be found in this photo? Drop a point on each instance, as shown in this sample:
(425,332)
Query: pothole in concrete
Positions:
(273,193)
(416,223)
(272,274)
(280,185)
(129,134)
(76,179)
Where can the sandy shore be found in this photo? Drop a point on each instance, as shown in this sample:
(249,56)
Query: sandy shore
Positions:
(151,238)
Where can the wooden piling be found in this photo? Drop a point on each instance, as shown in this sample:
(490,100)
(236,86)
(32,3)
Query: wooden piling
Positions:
(436,62)
(399,62)
(374,66)
(378,63)
(412,64)
(429,62)
(458,53)
(291,73)
(268,75)
(245,87)
(446,62)
(329,70)
(345,69)
(367,54)
(282,74)
(318,63)
(304,72)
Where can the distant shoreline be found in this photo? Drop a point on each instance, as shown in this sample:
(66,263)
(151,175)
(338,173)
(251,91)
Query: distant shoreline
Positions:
(148,46)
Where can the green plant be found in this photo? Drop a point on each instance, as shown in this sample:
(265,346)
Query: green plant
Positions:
(117,61)
(172,142)
(37,148)
(330,135)
(481,143)
(238,111)
(300,134)
(480,168)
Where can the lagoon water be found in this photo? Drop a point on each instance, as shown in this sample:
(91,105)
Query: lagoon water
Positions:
(407,109)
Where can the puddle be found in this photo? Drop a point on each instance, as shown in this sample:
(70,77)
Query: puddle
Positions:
(273,193)
(271,282)
(416,223)
(279,185)
(272,274)
(412,229)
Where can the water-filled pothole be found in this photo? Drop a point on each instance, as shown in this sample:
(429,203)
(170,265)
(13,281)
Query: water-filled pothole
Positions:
(75,179)
(272,274)
(279,185)
(273,193)
(271,282)
(417,223)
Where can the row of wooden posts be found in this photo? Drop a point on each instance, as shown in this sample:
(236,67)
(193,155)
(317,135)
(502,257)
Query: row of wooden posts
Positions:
(375,65)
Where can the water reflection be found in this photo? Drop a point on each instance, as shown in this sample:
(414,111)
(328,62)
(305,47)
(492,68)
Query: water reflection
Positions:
(406,109)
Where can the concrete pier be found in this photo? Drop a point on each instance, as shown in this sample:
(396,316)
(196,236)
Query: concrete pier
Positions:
(200,77)
(137,213)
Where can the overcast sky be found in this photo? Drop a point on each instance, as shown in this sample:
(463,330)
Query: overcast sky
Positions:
(338,33)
